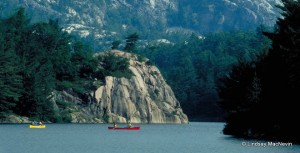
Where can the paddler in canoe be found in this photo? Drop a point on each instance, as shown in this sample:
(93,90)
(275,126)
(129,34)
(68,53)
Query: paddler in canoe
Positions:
(34,123)
(129,124)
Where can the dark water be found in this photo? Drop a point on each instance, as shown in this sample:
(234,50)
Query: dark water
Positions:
(95,138)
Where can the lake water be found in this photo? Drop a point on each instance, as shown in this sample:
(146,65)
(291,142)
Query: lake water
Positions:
(152,138)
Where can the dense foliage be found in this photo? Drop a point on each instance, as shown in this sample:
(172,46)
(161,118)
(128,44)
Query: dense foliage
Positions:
(39,59)
(193,67)
(114,65)
(261,98)
(131,41)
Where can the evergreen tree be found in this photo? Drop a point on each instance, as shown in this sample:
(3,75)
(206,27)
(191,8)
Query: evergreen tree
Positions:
(38,72)
(115,44)
(131,41)
(184,81)
(10,79)
(235,92)
(83,61)
(114,65)
(43,85)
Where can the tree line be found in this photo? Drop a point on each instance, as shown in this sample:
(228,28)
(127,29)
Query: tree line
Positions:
(38,59)
(260,97)
(194,66)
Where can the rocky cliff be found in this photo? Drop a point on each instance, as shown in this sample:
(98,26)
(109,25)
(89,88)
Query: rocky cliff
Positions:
(144,98)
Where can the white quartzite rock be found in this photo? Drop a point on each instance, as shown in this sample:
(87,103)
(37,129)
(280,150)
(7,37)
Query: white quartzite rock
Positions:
(145,98)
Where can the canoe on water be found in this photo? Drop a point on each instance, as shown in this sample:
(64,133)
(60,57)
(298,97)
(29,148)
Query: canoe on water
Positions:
(124,128)
(37,126)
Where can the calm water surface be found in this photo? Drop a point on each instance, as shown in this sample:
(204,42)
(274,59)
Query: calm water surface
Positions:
(95,138)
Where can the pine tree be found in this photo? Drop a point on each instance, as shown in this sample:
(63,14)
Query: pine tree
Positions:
(115,44)
(131,41)
(10,79)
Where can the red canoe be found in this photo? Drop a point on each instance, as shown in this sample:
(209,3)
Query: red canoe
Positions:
(124,128)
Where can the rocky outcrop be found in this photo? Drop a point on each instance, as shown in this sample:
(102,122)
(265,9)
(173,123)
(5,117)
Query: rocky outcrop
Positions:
(145,98)
(15,119)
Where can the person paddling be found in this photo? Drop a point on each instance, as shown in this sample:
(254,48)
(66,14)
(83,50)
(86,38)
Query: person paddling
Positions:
(33,123)
(129,124)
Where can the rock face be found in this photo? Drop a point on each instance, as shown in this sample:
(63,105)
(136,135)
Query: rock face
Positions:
(145,98)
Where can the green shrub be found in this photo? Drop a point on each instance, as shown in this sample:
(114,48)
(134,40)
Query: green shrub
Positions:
(114,65)
(105,118)
(141,58)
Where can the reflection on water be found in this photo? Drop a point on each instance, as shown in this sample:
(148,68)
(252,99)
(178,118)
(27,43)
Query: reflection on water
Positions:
(152,138)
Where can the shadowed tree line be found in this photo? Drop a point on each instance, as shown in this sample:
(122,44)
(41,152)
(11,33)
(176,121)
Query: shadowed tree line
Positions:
(37,59)
(261,97)
(193,67)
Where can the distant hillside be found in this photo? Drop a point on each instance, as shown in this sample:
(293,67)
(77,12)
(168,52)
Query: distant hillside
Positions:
(102,21)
